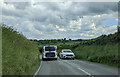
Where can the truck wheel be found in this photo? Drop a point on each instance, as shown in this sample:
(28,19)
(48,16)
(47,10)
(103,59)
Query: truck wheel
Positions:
(43,59)
(55,58)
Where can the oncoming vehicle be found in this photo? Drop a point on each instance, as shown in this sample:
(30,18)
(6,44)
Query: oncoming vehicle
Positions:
(67,53)
(49,52)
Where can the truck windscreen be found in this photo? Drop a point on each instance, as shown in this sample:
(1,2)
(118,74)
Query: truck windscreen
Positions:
(49,48)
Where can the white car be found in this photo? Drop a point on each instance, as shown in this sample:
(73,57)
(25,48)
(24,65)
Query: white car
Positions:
(67,53)
(49,52)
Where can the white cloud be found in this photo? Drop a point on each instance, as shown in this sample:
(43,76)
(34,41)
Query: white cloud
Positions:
(60,29)
(117,19)
(58,20)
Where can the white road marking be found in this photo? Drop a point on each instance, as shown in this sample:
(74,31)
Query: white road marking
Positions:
(84,71)
(81,69)
(38,69)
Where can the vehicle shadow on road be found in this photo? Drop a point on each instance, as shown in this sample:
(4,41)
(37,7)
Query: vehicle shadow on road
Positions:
(67,59)
(49,60)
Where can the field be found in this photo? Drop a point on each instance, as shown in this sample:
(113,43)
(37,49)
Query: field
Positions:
(20,56)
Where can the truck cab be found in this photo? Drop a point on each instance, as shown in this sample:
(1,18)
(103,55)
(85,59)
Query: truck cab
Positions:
(49,52)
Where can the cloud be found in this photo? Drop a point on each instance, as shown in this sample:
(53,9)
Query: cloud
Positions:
(51,20)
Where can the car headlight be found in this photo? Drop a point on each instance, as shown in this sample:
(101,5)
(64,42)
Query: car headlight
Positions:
(73,55)
(63,54)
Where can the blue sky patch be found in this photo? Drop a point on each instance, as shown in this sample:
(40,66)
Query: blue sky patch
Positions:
(110,22)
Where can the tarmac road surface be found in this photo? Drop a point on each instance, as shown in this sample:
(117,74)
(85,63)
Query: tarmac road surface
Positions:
(75,67)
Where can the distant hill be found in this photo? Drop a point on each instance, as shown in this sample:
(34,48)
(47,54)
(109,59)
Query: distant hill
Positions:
(101,40)
(55,41)
(19,55)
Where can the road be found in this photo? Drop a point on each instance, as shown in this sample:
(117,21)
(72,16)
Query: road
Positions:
(76,67)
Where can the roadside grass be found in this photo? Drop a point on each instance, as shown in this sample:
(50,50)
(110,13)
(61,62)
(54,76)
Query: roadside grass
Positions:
(105,54)
(19,55)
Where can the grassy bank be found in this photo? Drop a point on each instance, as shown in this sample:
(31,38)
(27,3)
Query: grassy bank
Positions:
(19,55)
(105,54)
(103,49)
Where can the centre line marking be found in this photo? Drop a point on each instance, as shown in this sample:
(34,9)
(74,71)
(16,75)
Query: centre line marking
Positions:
(85,72)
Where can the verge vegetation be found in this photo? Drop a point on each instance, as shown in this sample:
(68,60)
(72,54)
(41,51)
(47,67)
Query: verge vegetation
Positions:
(20,56)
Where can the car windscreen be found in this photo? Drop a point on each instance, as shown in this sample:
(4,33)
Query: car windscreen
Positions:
(49,48)
(67,51)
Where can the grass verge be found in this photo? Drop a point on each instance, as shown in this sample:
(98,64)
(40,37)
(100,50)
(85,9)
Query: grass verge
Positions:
(104,54)
(19,55)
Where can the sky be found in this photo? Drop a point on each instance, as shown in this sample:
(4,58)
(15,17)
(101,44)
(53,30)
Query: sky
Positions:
(57,20)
